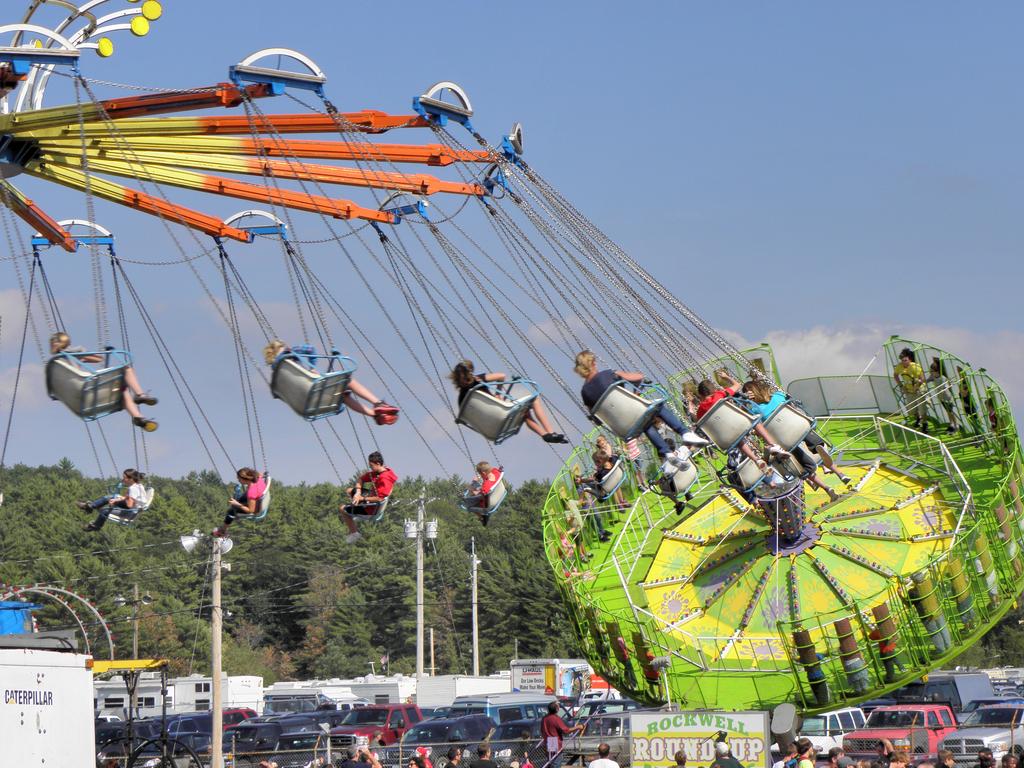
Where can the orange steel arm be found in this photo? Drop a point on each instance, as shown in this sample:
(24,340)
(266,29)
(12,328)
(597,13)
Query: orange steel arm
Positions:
(140,201)
(36,217)
(201,182)
(426,154)
(368,121)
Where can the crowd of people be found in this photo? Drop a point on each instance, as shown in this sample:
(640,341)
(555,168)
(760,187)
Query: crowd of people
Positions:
(802,754)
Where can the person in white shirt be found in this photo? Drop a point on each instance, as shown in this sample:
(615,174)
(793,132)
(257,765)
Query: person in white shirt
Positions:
(603,761)
(133,495)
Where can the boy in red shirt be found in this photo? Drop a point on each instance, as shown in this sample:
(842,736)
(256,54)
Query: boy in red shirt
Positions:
(373,487)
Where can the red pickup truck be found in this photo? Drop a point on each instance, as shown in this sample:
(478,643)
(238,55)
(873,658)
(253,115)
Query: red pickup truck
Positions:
(913,728)
(375,725)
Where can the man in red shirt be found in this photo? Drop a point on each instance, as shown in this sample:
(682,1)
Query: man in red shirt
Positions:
(552,729)
(373,487)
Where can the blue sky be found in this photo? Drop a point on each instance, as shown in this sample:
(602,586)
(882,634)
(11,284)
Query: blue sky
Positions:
(818,174)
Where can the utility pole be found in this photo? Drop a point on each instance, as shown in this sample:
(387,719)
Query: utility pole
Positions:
(419,589)
(476,628)
(431,651)
(420,529)
(135,621)
(216,627)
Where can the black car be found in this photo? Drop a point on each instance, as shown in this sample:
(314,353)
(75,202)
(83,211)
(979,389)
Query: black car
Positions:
(438,736)
(113,742)
(296,750)
(515,739)
(251,742)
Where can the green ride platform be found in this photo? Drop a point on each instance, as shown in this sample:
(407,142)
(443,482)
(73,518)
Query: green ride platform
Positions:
(917,558)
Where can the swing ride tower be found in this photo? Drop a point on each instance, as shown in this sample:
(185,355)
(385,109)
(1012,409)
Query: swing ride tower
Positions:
(686,590)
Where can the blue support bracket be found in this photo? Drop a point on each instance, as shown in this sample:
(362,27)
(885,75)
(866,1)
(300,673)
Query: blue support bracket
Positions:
(495,178)
(23,59)
(431,106)
(86,240)
(400,211)
(278,80)
(512,145)
(270,230)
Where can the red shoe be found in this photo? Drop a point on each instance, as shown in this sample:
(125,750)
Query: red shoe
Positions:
(385,414)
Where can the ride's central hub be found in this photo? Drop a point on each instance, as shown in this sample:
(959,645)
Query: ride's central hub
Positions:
(782,505)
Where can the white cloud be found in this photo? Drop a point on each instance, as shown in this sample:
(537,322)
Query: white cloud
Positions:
(824,351)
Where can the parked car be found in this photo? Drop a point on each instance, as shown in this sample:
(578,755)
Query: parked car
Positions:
(999,727)
(612,729)
(978,703)
(827,730)
(296,750)
(516,738)
(957,689)
(248,743)
(916,728)
(503,707)
(438,736)
(377,724)
(600,707)
(237,715)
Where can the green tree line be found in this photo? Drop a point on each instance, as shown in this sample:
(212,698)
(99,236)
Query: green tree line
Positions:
(299,602)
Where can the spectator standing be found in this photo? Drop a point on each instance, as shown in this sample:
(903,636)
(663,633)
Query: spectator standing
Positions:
(483,757)
(946,759)
(603,761)
(833,756)
(680,758)
(552,730)
(788,759)
(985,759)
(804,753)
(724,758)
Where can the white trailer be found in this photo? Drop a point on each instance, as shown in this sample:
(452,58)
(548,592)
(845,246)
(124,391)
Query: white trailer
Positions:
(47,717)
(442,690)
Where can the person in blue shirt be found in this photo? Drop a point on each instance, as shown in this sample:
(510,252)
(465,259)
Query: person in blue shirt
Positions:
(764,401)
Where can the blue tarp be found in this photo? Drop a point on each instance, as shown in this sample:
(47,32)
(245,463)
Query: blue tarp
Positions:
(16,617)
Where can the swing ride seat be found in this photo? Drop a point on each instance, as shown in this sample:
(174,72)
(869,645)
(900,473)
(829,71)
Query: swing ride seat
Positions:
(606,487)
(680,481)
(123,516)
(372,513)
(789,425)
(309,392)
(497,409)
(624,409)
(727,423)
(749,475)
(262,503)
(486,503)
(90,390)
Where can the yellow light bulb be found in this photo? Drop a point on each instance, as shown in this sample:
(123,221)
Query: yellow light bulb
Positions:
(140,26)
(152,10)
(105,47)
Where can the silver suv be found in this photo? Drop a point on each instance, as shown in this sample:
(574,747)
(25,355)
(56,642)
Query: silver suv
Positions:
(998,727)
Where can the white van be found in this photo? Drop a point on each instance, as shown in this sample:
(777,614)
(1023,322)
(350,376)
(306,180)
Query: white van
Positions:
(826,730)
